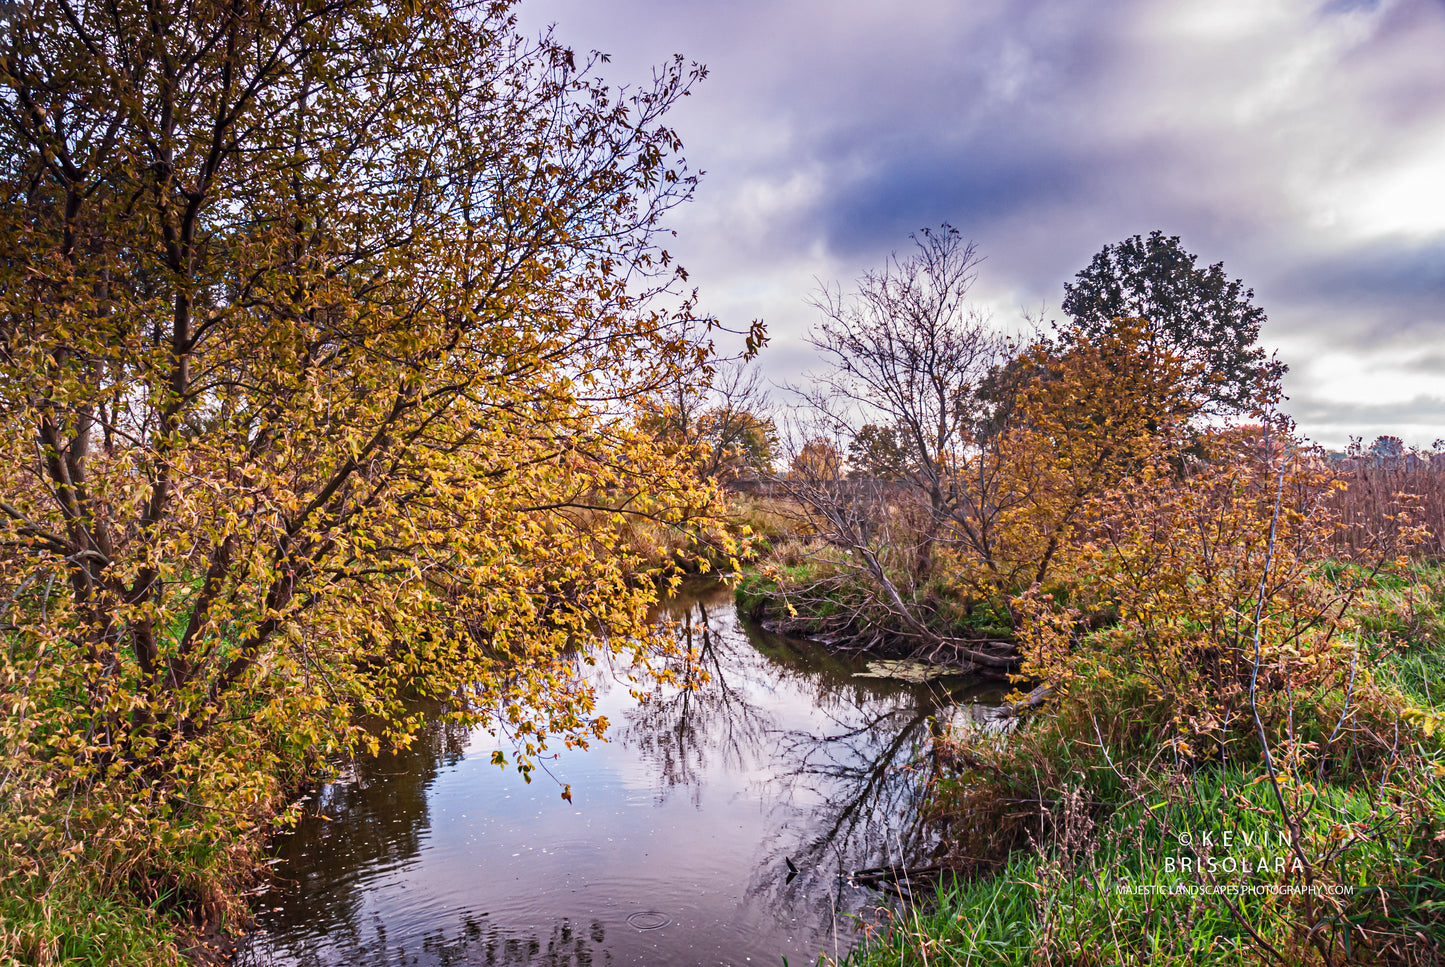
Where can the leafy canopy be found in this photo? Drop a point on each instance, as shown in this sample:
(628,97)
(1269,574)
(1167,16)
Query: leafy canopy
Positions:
(1196,313)
(322,330)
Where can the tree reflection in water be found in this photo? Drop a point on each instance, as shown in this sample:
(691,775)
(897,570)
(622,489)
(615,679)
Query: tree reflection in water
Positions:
(711,722)
(775,754)
(375,821)
(867,778)
(845,797)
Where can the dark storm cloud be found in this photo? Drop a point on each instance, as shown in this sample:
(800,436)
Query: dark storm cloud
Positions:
(901,194)
(1405,276)
(1301,142)
(965,116)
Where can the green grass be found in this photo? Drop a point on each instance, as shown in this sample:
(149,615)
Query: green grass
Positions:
(61,915)
(1406,608)
(1419,674)
(1120,893)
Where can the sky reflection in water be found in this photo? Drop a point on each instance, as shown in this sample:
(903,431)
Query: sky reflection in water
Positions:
(682,823)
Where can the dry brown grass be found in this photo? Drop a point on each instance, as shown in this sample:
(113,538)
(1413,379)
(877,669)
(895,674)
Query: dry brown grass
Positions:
(1384,495)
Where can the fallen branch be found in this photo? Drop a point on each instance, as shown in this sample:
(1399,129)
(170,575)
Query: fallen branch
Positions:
(1033,699)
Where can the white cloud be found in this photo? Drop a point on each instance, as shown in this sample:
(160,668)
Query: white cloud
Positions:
(1299,142)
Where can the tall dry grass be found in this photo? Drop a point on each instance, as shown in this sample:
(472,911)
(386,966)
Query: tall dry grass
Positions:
(1384,494)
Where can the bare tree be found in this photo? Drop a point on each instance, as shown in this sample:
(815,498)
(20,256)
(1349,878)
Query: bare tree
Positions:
(907,350)
(908,361)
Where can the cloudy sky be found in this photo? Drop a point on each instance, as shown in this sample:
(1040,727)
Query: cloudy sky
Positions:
(1300,142)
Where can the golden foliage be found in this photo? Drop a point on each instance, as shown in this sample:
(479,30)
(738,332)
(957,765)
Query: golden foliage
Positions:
(322,328)
(1079,422)
(1212,599)
(818,460)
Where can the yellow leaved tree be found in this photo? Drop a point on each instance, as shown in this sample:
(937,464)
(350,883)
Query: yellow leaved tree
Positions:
(323,328)
(1081,420)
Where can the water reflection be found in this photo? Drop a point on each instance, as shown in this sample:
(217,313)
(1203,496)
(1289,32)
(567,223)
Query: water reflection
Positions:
(712,722)
(690,818)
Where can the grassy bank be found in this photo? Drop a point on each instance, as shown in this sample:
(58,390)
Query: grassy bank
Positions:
(1104,833)
(1140,887)
(66,915)
(121,869)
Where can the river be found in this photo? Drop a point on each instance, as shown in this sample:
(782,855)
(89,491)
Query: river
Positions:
(675,849)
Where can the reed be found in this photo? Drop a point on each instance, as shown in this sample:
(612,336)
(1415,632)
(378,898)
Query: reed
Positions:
(1383,494)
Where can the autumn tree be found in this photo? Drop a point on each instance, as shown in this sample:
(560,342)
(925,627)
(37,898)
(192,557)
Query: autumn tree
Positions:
(819,460)
(1199,314)
(1093,414)
(722,422)
(323,327)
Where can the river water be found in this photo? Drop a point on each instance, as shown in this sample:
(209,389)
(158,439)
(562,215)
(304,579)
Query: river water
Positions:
(675,849)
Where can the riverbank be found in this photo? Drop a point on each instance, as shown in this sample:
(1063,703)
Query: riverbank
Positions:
(1100,833)
(114,869)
